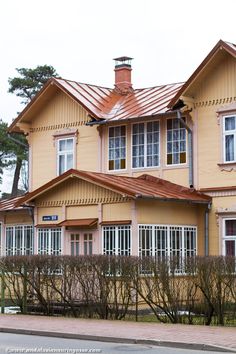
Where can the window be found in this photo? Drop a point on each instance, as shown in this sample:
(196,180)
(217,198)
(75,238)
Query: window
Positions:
(74,244)
(176,142)
(117,148)
(117,240)
(65,155)
(229,237)
(145,144)
(49,241)
(19,240)
(88,244)
(167,241)
(230,139)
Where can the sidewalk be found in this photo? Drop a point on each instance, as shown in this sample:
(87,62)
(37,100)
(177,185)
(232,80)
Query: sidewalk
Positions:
(182,336)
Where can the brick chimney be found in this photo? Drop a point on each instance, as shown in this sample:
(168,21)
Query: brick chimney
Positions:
(123,70)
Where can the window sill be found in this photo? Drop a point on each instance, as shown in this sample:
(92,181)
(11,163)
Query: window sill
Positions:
(227,166)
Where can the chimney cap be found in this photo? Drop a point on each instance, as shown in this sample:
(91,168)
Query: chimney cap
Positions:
(120,61)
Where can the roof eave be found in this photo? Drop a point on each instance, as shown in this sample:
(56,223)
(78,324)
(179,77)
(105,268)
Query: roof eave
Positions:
(221,44)
(178,200)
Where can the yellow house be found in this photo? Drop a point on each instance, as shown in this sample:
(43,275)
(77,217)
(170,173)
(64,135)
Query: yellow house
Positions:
(130,171)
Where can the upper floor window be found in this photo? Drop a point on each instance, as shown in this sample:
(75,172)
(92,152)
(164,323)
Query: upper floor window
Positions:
(65,155)
(230,139)
(176,142)
(229,237)
(117,148)
(145,144)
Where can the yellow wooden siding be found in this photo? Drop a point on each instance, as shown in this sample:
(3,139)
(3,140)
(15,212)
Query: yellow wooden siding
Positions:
(219,83)
(59,113)
(116,212)
(76,191)
(218,90)
(82,212)
(87,150)
(48,212)
(157,212)
(20,217)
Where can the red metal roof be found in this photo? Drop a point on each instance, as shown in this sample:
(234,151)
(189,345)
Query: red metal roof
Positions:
(107,103)
(145,186)
(10,204)
(87,223)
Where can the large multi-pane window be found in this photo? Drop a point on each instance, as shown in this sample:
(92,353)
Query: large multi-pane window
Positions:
(49,241)
(117,148)
(117,240)
(176,142)
(168,241)
(145,144)
(230,139)
(65,155)
(19,240)
(229,237)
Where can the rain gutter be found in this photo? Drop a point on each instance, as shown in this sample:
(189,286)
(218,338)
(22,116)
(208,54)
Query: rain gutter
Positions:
(96,122)
(190,201)
(17,141)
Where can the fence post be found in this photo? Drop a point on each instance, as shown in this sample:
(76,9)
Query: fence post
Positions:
(2,292)
(24,302)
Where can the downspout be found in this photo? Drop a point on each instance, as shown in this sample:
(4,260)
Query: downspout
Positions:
(206,230)
(190,147)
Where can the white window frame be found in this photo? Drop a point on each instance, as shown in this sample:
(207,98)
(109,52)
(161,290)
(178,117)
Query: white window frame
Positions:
(65,153)
(75,244)
(227,238)
(116,238)
(88,243)
(145,145)
(229,132)
(166,251)
(48,245)
(125,146)
(22,251)
(186,145)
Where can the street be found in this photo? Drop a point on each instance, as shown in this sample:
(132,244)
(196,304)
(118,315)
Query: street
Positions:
(18,343)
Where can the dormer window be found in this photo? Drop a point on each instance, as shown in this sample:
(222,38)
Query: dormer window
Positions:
(65,154)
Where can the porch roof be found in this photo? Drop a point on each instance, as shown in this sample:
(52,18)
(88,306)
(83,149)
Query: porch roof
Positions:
(88,223)
(144,186)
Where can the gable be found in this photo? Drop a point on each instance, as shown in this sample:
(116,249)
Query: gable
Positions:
(75,191)
(217,82)
(57,113)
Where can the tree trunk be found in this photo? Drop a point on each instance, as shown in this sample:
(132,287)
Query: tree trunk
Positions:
(16,177)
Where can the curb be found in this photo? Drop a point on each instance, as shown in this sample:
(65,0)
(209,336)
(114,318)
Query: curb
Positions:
(171,344)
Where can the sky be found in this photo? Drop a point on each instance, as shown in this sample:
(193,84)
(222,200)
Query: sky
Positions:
(168,39)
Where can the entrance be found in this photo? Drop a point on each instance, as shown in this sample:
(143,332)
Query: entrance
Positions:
(81,243)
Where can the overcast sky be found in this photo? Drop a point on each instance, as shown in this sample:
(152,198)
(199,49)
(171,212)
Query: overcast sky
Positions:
(167,39)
